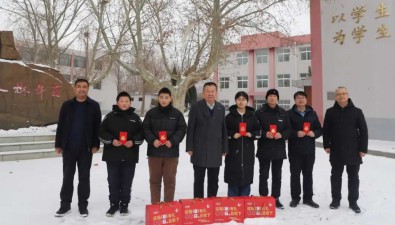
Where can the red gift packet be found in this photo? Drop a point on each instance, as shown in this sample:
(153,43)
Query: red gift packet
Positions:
(197,211)
(123,137)
(228,209)
(163,137)
(262,206)
(169,213)
(306,127)
(273,129)
(243,129)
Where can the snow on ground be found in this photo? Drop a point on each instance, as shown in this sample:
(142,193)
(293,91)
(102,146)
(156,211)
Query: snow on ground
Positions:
(29,193)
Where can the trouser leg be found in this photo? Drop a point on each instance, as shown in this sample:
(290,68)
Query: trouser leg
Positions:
(212,181)
(169,178)
(156,172)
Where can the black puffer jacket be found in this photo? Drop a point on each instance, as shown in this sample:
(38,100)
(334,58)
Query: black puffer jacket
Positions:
(306,144)
(167,119)
(272,148)
(345,133)
(115,122)
(239,162)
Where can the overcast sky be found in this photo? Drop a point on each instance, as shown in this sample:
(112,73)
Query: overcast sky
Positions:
(300,24)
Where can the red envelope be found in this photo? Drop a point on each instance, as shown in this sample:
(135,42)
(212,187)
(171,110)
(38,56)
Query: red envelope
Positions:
(123,137)
(169,213)
(243,129)
(163,137)
(260,206)
(306,127)
(273,129)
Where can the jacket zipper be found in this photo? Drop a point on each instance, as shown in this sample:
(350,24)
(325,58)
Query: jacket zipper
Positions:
(242,153)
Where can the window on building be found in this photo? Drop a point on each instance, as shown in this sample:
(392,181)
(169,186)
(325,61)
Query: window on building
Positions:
(305,53)
(79,61)
(224,82)
(262,81)
(132,99)
(27,53)
(242,58)
(97,86)
(258,103)
(283,80)
(261,56)
(304,76)
(242,82)
(283,54)
(225,103)
(140,99)
(65,59)
(285,104)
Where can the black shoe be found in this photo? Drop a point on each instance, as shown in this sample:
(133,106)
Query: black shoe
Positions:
(278,204)
(355,207)
(334,205)
(311,203)
(294,203)
(113,209)
(63,211)
(123,209)
(84,212)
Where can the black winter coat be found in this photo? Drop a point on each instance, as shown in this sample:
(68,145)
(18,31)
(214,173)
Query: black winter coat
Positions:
(306,144)
(115,122)
(345,133)
(206,134)
(167,119)
(93,119)
(239,162)
(272,148)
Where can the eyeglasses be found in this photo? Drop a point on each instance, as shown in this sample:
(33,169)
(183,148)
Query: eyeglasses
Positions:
(342,94)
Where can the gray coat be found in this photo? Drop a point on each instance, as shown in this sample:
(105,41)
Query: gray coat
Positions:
(206,134)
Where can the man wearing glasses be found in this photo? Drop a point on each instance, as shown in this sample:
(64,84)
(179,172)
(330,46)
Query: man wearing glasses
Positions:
(346,141)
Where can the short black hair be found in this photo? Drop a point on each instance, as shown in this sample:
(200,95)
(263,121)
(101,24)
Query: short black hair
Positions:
(301,93)
(164,90)
(210,84)
(79,80)
(123,94)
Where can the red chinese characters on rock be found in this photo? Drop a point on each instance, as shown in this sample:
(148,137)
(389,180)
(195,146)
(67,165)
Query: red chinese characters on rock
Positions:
(40,91)
(56,90)
(21,88)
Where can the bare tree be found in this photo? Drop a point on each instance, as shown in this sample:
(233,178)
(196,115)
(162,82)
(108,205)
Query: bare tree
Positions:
(50,23)
(187,34)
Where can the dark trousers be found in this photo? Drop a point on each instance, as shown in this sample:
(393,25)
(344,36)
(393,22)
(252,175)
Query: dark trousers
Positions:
(212,181)
(301,163)
(353,182)
(120,178)
(83,160)
(264,167)
(166,168)
(235,190)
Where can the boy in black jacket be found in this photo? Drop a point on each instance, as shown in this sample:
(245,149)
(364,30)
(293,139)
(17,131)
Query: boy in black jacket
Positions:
(164,129)
(122,134)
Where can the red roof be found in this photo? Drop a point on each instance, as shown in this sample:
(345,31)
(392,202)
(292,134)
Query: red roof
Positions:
(268,40)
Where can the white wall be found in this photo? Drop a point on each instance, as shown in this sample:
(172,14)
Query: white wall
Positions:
(367,68)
